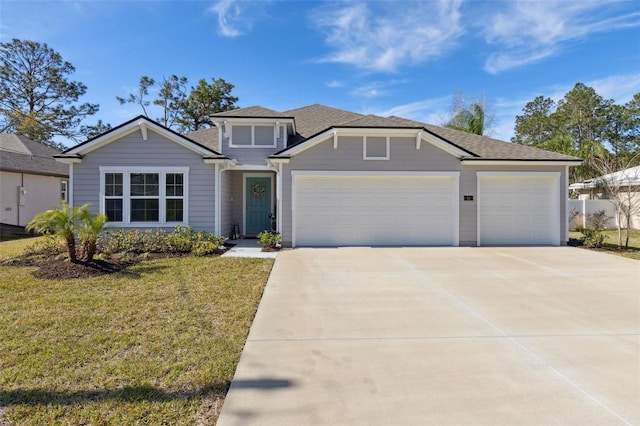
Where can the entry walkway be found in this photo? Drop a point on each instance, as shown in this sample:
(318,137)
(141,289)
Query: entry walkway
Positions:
(248,248)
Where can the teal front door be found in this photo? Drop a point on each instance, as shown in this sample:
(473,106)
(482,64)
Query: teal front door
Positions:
(258,205)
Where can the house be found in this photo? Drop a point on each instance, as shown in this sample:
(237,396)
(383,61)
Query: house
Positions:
(325,177)
(595,194)
(31,180)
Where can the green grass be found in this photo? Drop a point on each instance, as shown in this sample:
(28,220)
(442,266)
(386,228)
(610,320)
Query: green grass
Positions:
(157,343)
(611,242)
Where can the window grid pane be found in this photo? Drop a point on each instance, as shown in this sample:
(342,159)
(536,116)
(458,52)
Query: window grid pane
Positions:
(145,184)
(174,211)
(113,210)
(145,210)
(113,184)
(174,185)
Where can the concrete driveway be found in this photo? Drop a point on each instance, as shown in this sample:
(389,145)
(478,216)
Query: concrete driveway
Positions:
(443,336)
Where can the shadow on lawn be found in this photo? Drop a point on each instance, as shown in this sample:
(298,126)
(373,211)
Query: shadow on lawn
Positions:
(146,393)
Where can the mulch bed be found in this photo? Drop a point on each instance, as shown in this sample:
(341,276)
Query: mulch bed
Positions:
(62,269)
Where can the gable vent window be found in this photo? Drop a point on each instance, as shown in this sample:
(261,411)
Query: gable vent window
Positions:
(375,148)
(142,195)
(253,136)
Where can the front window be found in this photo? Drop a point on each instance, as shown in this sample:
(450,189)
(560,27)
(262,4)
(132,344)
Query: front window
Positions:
(144,196)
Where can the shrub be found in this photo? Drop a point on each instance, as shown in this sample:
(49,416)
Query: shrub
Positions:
(180,240)
(593,238)
(203,248)
(269,239)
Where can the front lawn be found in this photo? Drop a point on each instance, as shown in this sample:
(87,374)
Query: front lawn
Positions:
(156,343)
(611,243)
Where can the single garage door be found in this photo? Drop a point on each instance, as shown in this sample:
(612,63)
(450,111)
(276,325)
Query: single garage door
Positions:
(379,209)
(518,209)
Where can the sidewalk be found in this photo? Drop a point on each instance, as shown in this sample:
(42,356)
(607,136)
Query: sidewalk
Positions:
(248,248)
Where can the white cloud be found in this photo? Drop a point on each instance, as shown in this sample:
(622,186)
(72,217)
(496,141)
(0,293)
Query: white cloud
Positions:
(532,31)
(431,111)
(231,22)
(334,84)
(382,36)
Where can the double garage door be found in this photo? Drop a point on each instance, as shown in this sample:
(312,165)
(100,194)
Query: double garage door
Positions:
(355,209)
(378,209)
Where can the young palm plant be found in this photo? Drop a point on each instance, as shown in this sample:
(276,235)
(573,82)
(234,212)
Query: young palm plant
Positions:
(90,228)
(64,222)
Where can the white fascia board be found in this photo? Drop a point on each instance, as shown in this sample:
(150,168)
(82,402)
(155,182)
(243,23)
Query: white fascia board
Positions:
(278,160)
(521,163)
(143,125)
(341,173)
(443,145)
(68,160)
(248,121)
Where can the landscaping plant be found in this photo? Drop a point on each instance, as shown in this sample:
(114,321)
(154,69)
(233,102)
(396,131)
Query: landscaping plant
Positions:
(269,239)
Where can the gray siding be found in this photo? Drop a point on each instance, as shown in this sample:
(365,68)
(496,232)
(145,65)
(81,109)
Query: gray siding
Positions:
(132,150)
(348,156)
(226,195)
(252,155)
(403,157)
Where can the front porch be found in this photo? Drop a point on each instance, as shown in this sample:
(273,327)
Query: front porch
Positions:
(248,202)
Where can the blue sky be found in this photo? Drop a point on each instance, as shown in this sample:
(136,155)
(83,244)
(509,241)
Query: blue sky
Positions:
(405,58)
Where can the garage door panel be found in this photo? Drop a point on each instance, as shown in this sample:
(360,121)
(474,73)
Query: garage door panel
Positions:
(365,210)
(517,210)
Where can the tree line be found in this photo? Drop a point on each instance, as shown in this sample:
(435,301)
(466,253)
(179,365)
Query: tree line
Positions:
(39,100)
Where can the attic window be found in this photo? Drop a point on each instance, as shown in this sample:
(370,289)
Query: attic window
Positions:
(375,148)
(253,136)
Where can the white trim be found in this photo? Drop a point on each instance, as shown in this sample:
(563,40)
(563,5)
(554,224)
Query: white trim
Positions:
(520,163)
(217,198)
(132,127)
(71,186)
(126,197)
(369,173)
(455,199)
(68,160)
(244,195)
(279,199)
(554,199)
(367,157)
(566,205)
(418,140)
(250,167)
(444,145)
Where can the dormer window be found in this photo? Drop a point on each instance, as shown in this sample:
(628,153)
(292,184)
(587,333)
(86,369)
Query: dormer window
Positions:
(253,136)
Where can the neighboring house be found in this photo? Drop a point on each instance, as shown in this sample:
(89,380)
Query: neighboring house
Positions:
(627,187)
(325,177)
(31,181)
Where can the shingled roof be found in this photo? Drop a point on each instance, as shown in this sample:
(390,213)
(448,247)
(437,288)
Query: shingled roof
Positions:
(22,155)
(314,119)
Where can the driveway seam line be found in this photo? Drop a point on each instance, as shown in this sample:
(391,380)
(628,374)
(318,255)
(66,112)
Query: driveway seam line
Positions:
(473,312)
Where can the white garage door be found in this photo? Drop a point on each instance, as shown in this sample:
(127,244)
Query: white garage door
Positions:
(381,209)
(517,209)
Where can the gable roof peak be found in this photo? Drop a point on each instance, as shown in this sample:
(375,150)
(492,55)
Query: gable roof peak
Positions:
(255,111)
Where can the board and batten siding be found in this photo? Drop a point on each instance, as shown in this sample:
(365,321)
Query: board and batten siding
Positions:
(403,156)
(157,151)
(226,198)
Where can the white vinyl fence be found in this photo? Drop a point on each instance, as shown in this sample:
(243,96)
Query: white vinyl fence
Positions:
(585,208)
